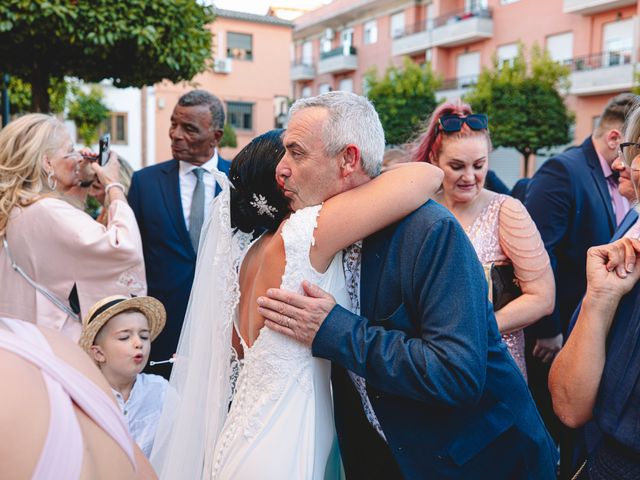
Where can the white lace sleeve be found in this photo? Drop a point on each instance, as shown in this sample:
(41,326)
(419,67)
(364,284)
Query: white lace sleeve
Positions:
(297,234)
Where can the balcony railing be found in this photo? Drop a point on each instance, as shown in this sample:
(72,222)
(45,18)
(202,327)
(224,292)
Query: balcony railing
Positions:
(336,52)
(410,30)
(600,73)
(414,39)
(453,88)
(462,27)
(600,60)
(448,19)
(338,60)
(460,16)
(458,83)
(302,70)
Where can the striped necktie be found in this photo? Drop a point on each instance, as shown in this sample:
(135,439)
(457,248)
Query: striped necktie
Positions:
(196,215)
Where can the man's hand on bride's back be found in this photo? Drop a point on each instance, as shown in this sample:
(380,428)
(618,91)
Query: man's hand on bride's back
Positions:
(295,315)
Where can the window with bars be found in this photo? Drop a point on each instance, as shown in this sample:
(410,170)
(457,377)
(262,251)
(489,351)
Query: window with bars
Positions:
(117,125)
(240,46)
(240,115)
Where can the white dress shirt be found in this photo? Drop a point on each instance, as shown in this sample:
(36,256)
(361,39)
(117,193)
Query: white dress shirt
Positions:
(143,408)
(188,185)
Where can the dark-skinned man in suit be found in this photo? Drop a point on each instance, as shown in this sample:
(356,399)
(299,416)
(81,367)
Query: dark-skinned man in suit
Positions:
(171,201)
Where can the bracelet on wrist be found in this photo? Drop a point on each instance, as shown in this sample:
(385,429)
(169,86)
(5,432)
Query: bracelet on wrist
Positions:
(111,185)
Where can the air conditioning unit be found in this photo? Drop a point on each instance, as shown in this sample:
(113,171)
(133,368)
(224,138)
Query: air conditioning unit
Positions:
(329,34)
(222,65)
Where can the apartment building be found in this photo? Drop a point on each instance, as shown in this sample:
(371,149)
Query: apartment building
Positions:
(250,74)
(599,39)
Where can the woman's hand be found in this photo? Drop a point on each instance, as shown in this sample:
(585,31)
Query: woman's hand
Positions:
(110,172)
(574,378)
(546,348)
(613,269)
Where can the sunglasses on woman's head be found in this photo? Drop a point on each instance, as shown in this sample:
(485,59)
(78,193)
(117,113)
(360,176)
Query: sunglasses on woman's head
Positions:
(453,123)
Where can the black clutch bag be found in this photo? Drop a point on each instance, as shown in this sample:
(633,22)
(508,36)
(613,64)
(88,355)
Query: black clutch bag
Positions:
(503,285)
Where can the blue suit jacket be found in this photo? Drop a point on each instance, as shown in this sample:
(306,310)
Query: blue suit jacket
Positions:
(568,199)
(619,331)
(627,222)
(169,257)
(450,399)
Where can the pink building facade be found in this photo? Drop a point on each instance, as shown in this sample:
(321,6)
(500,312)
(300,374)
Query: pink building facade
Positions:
(250,74)
(599,39)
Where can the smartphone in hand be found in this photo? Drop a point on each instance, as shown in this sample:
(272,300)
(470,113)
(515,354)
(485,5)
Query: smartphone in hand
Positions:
(104,143)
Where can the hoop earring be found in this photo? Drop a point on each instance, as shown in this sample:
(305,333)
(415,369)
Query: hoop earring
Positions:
(52,182)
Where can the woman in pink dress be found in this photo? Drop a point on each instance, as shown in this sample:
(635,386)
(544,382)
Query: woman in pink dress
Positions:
(498,226)
(63,418)
(55,260)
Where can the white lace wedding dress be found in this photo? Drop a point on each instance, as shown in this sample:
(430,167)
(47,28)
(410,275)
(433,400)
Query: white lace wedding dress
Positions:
(280,425)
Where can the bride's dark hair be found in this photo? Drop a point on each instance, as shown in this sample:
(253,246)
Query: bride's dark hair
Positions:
(257,203)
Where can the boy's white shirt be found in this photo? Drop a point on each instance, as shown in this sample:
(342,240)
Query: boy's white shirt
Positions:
(143,408)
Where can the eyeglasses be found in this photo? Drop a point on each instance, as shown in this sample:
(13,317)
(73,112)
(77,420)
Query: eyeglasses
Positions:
(628,152)
(453,123)
(73,154)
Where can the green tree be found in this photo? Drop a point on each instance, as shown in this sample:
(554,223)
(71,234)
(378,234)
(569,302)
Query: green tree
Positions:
(403,97)
(524,102)
(229,138)
(132,42)
(88,111)
(20,95)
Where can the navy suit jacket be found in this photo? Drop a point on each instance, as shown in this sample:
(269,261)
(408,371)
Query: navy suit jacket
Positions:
(169,256)
(627,222)
(495,184)
(449,397)
(568,199)
(591,431)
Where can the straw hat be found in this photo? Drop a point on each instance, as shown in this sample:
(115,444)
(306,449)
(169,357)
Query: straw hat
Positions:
(108,307)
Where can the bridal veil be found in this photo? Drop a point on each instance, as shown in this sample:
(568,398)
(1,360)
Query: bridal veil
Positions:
(196,406)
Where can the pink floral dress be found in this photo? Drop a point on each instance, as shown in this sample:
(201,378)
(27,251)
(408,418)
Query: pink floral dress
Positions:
(504,233)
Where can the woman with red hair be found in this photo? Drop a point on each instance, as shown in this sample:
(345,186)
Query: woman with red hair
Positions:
(499,227)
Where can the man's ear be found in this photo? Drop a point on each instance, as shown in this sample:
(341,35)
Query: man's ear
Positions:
(217,134)
(97,354)
(350,160)
(614,137)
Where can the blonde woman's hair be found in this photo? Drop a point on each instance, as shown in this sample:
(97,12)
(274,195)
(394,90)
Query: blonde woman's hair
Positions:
(23,145)
(126,173)
(631,130)
(632,126)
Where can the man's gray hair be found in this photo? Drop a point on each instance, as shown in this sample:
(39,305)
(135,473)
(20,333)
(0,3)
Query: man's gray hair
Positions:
(352,120)
(201,97)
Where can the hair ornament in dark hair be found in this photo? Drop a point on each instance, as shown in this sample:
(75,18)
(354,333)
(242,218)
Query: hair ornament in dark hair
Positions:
(261,205)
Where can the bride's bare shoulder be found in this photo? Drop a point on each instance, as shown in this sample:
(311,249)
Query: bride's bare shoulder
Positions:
(267,250)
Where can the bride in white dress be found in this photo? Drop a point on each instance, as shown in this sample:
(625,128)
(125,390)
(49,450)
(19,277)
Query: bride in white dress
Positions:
(280,423)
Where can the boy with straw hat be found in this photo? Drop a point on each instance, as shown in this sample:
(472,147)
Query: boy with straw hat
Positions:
(117,334)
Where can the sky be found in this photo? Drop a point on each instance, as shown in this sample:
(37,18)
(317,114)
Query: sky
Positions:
(250,6)
(261,7)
